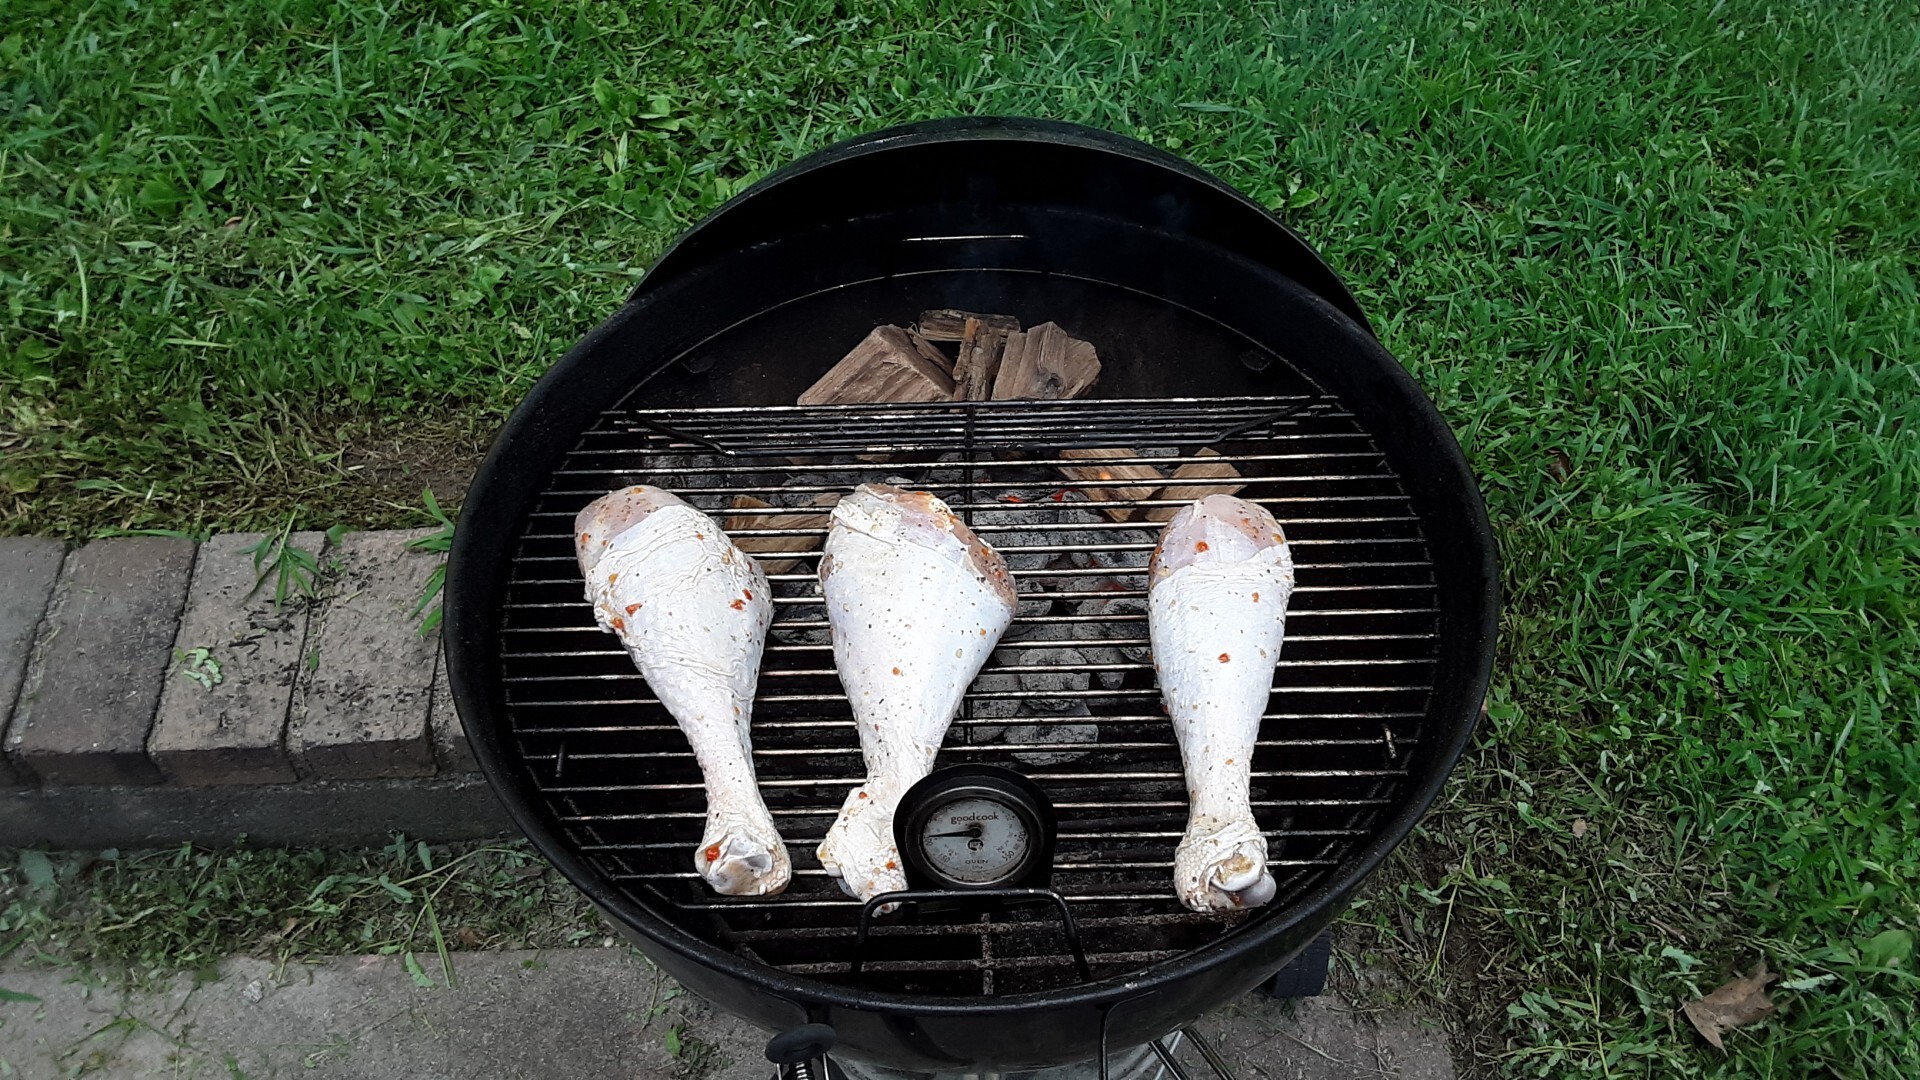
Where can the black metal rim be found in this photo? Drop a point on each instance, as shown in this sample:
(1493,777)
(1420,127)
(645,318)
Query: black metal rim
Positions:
(1293,255)
(488,528)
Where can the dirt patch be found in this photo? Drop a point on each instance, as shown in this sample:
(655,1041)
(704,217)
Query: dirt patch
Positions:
(391,464)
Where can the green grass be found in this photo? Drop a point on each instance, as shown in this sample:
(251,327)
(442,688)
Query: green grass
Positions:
(1655,261)
(144,916)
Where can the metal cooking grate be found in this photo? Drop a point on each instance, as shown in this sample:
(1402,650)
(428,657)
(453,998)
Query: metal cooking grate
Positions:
(1069,698)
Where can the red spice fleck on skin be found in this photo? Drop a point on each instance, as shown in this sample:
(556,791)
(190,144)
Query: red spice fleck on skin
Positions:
(1200,546)
(631,608)
(584,537)
(864,794)
(619,623)
(1012,498)
(1256,598)
(738,604)
(896,671)
(891,865)
(748,593)
(699,536)
(1059,496)
(1224,658)
(712,853)
(611,578)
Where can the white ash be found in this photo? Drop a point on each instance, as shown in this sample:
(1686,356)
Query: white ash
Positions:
(1043,688)
(1034,603)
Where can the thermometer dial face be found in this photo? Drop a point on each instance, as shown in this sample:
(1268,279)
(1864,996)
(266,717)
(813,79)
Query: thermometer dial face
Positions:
(976,840)
(975,827)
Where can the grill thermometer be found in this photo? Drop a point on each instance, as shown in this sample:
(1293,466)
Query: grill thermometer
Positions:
(975,827)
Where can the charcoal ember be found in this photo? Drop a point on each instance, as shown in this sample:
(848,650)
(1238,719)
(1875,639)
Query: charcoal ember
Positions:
(670,471)
(1102,656)
(994,708)
(1051,691)
(1020,521)
(950,477)
(803,489)
(1106,614)
(1105,572)
(1054,735)
(1036,601)
(785,615)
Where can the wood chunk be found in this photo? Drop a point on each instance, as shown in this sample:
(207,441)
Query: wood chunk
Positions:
(981,346)
(804,519)
(1110,473)
(1186,493)
(1046,364)
(926,351)
(889,364)
(950,324)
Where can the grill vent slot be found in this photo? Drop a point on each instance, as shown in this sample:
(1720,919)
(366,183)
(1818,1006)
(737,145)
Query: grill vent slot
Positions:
(1351,691)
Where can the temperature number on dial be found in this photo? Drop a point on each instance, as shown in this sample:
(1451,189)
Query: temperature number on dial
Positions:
(976,840)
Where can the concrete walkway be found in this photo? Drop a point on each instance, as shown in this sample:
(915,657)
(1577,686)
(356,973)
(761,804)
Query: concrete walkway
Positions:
(580,1014)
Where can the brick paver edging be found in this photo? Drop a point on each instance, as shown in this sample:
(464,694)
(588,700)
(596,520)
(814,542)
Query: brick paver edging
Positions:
(151,694)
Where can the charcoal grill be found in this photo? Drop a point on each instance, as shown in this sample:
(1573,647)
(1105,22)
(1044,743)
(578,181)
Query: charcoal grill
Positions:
(1222,335)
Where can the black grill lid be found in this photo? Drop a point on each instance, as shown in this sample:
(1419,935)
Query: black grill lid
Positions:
(1176,315)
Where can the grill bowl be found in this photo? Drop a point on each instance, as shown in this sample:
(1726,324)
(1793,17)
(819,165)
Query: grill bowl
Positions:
(1202,307)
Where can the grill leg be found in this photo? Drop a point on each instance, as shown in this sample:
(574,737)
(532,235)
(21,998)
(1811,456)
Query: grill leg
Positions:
(1306,976)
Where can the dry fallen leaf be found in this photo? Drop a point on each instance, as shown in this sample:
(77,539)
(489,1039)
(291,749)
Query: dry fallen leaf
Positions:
(467,938)
(1579,827)
(1559,465)
(1740,1002)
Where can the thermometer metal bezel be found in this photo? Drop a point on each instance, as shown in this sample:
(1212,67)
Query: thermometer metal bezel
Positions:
(993,783)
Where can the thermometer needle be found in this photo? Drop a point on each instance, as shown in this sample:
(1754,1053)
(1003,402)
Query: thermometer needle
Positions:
(974,831)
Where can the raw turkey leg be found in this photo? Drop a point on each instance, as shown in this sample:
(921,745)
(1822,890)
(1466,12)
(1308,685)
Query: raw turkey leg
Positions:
(1217,593)
(916,603)
(692,610)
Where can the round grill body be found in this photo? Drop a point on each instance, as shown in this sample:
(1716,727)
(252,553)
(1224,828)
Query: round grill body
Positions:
(1223,339)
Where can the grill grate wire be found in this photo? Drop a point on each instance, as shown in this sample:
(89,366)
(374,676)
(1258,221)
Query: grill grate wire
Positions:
(1069,698)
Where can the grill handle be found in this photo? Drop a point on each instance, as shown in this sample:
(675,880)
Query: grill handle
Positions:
(985,897)
(801,1053)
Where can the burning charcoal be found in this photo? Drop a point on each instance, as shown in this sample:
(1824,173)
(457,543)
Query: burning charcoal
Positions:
(944,478)
(840,481)
(996,708)
(1043,688)
(1017,509)
(1063,735)
(1038,507)
(671,471)
(1110,609)
(1034,601)
(785,615)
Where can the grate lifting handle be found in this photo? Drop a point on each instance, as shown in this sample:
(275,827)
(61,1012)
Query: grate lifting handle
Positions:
(984,897)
